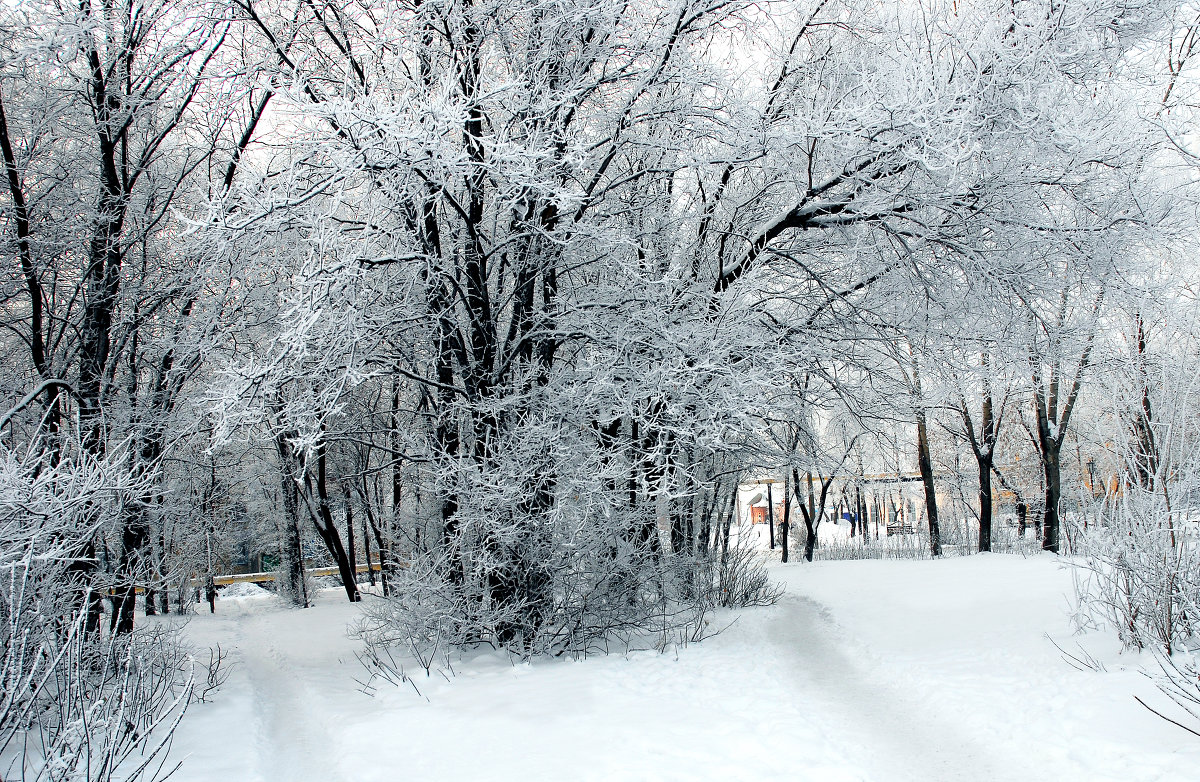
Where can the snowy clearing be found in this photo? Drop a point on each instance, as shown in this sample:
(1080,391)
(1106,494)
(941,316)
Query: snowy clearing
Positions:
(871,670)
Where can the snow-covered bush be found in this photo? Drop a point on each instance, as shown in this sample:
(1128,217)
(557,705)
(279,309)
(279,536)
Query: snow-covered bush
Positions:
(1140,572)
(1138,568)
(575,590)
(73,704)
(422,617)
(1140,550)
(908,546)
(601,591)
(91,710)
(739,573)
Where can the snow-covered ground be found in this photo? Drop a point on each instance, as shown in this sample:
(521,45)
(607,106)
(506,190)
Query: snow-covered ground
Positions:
(866,670)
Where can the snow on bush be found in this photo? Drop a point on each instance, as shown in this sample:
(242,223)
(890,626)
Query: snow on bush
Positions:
(73,704)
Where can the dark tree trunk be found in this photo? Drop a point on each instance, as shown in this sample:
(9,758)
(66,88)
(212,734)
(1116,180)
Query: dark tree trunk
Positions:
(812,498)
(677,515)
(771,515)
(151,596)
(291,552)
(985,504)
(983,445)
(350,552)
(37,336)
(860,504)
(1050,520)
(809,513)
(81,575)
(712,511)
(165,593)
(446,437)
(654,476)
(1053,418)
(647,534)
(101,284)
(925,466)
(328,530)
(728,523)
(134,536)
(783,523)
(634,463)
(1145,456)
(366,536)
(382,543)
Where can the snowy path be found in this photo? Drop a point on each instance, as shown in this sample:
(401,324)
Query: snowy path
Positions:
(271,720)
(900,739)
(865,672)
(292,740)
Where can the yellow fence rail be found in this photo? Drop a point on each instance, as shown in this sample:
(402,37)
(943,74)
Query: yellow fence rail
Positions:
(259,578)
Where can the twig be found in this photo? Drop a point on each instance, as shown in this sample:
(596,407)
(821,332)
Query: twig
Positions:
(1165,717)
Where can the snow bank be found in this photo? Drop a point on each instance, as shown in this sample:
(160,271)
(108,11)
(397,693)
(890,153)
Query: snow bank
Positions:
(242,589)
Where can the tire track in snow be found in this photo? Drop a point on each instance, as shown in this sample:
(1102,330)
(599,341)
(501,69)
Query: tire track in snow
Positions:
(899,739)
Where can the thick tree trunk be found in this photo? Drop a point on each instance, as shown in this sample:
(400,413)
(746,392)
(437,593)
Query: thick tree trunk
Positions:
(134,537)
(291,553)
(812,497)
(985,503)
(710,514)
(1050,520)
(860,504)
(677,516)
(81,573)
(983,446)
(446,437)
(809,513)
(151,596)
(101,285)
(1053,418)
